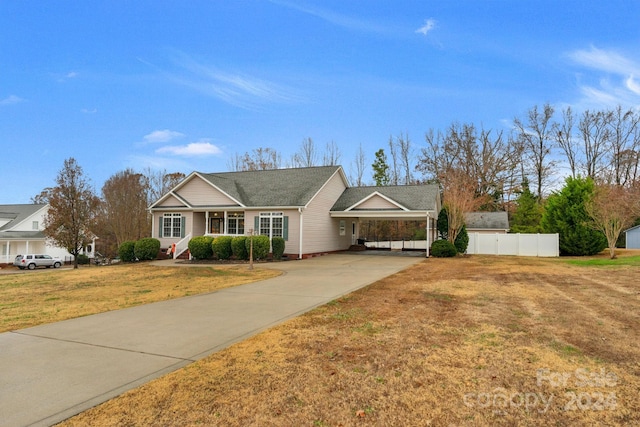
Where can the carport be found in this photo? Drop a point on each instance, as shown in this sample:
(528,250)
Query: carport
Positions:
(394,203)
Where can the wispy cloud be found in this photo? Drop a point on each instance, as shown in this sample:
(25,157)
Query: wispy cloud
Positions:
(164,135)
(429,24)
(610,80)
(235,88)
(89,110)
(10,100)
(201,148)
(334,18)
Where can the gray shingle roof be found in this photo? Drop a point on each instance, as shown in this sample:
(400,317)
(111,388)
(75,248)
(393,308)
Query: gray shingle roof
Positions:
(486,220)
(412,197)
(21,235)
(17,213)
(278,187)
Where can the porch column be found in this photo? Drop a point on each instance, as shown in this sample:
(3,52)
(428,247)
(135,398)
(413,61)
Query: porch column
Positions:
(224,225)
(206,222)
(428,232)
(300,210)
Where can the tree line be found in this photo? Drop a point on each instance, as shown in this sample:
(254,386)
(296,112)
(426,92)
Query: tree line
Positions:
(476,169)
(77,214)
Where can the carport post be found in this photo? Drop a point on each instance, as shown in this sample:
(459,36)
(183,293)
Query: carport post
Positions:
(427,251)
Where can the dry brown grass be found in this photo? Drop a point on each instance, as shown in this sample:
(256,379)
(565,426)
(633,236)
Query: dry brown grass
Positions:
(441,343)
(45,296)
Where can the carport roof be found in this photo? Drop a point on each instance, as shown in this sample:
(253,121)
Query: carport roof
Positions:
(408,198)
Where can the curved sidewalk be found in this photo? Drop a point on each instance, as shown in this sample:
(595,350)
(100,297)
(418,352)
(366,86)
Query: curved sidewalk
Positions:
(51,372)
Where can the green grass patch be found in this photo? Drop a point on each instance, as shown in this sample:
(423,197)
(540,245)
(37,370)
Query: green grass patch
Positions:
(633,261)
(565,349)
(436,296)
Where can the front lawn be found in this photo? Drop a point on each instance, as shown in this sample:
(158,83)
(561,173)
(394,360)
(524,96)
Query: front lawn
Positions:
(470,341)
(35,297)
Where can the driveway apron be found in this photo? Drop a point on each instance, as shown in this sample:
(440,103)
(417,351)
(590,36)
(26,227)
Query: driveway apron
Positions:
(51,372)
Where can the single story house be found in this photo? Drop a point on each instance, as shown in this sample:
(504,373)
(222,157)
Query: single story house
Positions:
(487,222)
(313,208)
(21,232)
(633,237)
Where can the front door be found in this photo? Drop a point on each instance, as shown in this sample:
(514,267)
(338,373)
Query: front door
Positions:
(216,225)
(353,233)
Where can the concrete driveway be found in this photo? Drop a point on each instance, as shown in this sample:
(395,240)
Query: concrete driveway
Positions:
(51,372)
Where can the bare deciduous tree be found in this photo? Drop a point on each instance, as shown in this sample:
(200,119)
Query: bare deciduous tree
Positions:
(535,136)
(393,168)
(159,182)
(359,165)
(594,128)
(488,158)
(124,197)
(331,154)
(306,156)
(440,154)
(406,158)
(262,158)
(459,197)
(563,135)
(72,210)
(625,143)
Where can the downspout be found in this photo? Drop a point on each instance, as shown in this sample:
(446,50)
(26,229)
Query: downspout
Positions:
(300,211)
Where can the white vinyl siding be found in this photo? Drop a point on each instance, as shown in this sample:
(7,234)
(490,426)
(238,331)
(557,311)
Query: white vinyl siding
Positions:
(171,201)
(321,233)
(376,202)
(200,193)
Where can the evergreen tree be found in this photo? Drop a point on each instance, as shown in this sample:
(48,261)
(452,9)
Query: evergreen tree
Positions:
(462,240)
(443,224)
(381,169)
(566,215)
(528,214)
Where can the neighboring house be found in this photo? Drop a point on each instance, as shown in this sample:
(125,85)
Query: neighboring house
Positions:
(21,233)
(487,222)
(633,237)
(313,209)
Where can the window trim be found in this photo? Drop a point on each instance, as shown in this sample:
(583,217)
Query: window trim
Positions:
(175,225)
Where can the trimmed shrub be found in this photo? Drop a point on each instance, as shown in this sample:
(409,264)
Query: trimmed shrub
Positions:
(221,247)
(147,248)
(443,249)
(277,246)
(200,247)
(126,251)
(239,247)
(462,240)
(260,246)
(83,259)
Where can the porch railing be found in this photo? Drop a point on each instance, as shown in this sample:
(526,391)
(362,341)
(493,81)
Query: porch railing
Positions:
(182,246)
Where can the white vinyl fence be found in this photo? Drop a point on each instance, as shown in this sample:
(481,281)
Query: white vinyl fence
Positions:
(398,245)
(542,245)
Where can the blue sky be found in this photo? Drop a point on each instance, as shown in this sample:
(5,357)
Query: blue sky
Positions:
(183,86)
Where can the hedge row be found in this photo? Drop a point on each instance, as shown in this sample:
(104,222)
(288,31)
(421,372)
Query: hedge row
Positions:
(142,250)
(224,247)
